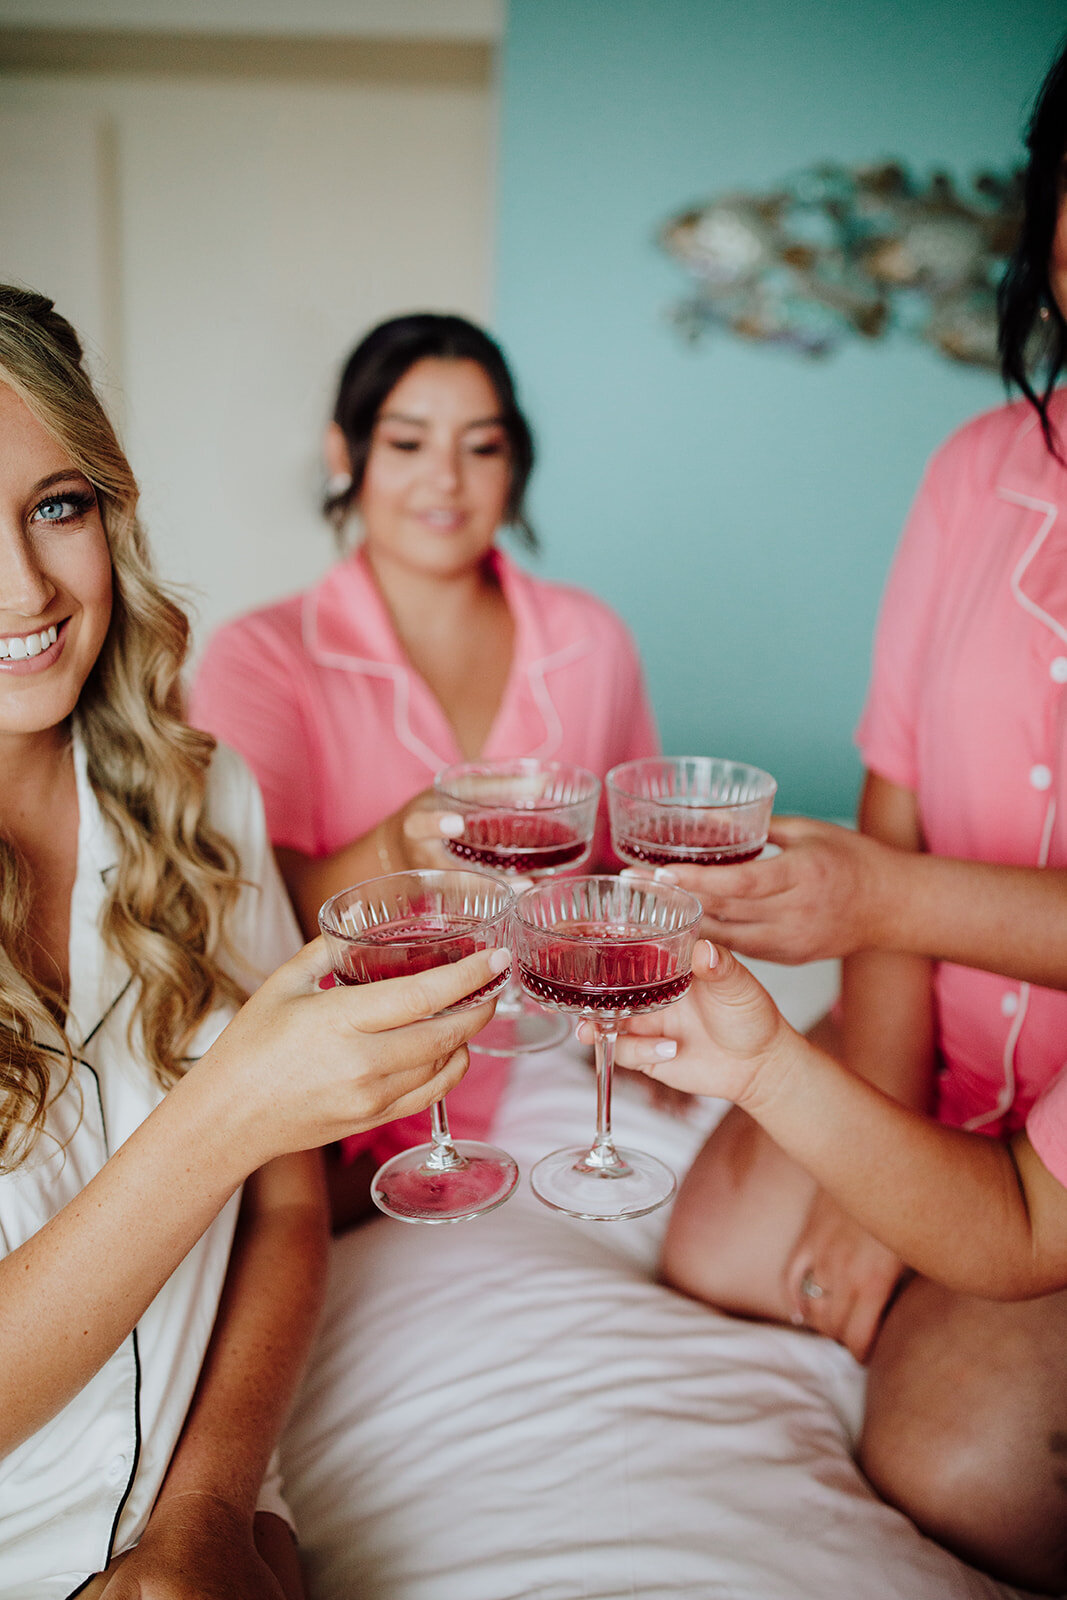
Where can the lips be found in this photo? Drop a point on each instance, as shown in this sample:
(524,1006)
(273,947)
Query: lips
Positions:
(22,653)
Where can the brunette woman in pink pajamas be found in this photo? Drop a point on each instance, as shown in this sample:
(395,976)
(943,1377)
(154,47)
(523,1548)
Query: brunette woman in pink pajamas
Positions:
(425,645)
(950,907)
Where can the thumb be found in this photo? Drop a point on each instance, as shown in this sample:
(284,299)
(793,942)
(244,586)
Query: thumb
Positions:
(719,969)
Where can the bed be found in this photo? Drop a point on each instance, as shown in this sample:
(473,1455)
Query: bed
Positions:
(513,1409)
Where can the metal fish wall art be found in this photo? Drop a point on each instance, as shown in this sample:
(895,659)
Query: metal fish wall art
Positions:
(842,251)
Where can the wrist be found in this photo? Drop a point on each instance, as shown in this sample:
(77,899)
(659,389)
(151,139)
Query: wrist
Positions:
(890,895)
(773,1069)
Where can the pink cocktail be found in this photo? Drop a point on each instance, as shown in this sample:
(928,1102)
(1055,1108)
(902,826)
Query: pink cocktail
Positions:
(604,948)
(394,927)
(689,810)
(523,819)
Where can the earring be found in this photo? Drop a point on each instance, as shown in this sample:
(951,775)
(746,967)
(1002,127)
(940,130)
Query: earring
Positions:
(338,484)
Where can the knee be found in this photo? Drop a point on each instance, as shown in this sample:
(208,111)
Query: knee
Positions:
(1005,1516)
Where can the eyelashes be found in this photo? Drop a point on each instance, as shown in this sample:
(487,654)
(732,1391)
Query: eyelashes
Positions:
(72,504)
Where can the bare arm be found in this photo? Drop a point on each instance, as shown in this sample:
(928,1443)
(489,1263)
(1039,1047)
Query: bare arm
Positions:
(270,1305)
(833,892)
(365,1056)
(977,1215)
(406,840)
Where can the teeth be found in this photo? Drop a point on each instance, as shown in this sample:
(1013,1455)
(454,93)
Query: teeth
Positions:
(27,644)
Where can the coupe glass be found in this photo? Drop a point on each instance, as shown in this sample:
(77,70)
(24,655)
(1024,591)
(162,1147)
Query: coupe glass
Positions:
(604,948)
(522,819)
(409,922)
(698,810)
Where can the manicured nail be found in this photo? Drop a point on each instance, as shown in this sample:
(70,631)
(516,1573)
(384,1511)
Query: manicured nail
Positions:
(661,875)
(500,959)
(713,955)
(451,824)
(627,872)
(666,1050)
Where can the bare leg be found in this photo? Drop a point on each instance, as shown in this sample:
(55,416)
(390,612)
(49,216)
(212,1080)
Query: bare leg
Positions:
(349,1188)
(966,1428)
(276,1543)
(738,1213)
(737,1216)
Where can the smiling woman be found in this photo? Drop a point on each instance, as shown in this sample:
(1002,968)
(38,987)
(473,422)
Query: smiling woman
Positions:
(139,905)
(424,646)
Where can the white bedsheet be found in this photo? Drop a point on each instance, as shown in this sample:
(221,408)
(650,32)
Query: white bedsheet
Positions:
(511,1409)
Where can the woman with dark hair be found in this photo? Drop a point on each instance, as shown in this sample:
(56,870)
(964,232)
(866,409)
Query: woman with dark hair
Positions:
(949,905)
(423,646)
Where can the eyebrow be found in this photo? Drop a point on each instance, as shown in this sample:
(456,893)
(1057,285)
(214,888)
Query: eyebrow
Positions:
(59,477)
(422,422)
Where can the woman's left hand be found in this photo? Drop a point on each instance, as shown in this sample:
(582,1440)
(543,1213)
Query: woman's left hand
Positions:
(195,1547)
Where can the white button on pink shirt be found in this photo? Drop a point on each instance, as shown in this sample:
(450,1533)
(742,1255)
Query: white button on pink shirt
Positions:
(968,708)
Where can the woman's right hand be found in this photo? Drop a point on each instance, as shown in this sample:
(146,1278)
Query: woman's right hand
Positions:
(300,1067)
(414,837)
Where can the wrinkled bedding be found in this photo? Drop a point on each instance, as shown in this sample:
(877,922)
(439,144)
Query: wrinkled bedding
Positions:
(513,1409)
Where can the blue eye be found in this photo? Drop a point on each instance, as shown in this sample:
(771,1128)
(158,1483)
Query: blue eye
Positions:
(62,508)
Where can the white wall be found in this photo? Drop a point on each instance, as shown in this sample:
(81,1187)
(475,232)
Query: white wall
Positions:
(223,241)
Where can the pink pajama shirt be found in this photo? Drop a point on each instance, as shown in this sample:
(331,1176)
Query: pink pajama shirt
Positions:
(317,695)
(968,708)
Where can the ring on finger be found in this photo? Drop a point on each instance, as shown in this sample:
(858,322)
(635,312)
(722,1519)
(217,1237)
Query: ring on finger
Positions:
(810,1289)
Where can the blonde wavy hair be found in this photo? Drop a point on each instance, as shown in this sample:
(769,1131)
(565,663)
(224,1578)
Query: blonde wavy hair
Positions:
(177,877)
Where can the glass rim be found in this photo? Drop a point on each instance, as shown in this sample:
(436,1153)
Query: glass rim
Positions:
(420,875)
(648,885)
(520,767)
(768,787)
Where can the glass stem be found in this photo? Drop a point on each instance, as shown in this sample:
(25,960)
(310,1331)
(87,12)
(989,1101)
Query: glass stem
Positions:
(604,1155)
(512,1001)
(443,1156)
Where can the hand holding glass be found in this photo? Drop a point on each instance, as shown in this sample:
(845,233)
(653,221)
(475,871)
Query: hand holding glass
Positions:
(604,948)
(405,923)
(524,819)
(689,810)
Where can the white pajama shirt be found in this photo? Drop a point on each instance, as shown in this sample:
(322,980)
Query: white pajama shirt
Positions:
(80,1490)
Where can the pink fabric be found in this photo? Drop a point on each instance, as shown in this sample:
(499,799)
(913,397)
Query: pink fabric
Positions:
(967,707)
(1046,1127)
(317,695)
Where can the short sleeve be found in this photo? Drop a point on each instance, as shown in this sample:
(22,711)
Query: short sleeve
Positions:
(1046,1128)
(247,692)
(886,735)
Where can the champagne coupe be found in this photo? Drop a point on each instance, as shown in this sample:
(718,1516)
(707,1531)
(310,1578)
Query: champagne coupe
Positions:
(408,922)
(604,948)
(522,819)
(698,810)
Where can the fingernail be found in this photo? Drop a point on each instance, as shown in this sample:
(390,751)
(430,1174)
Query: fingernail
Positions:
(661,875)
(500,959)
(451,824)
(627,872)
(666,1050)
(713,955)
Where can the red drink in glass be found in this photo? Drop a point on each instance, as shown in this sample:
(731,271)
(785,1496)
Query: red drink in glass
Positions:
(520,842)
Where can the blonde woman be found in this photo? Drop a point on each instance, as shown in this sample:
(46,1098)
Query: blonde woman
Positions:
(162,1231)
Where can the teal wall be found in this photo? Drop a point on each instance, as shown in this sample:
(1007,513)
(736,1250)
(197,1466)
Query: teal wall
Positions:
(738,506)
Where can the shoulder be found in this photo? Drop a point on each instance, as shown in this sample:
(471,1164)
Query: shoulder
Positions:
(978,453)
(274,628)
(232,801)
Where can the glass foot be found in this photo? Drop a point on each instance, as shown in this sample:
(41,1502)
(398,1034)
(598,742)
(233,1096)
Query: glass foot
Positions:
(521,1033)
(567,1181)
(411,1190)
